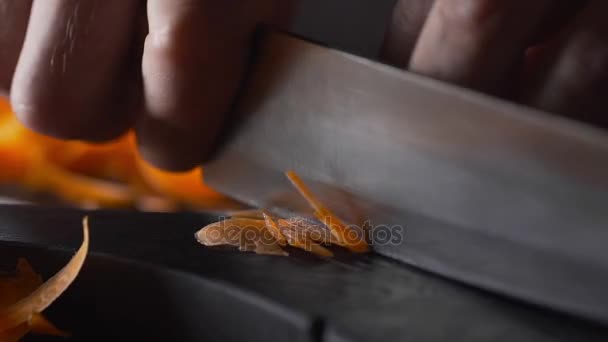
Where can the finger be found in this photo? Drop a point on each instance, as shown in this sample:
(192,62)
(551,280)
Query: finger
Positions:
(14,15)
(570,75)
(476,43)
(403,31)
(168,147)
(194,60)
(70,79)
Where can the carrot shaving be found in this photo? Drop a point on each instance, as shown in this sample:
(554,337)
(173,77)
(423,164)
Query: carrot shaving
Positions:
(12,289)
(245,233)
(274,229)
(15,334)
(297,232)
(82,189)
(248,235)
(298,239)
(343,234)
(187,187)
(228,232)
(25,310)
(98,175)
(41,326)
(249,213)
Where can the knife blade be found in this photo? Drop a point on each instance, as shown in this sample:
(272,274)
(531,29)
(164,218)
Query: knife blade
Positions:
(486,192)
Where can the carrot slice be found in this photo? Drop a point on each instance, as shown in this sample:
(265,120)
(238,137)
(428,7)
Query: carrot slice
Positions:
(297,238)
(75,171)
(41,326)
(27,275)
(187,187)
(245,233)
(81,189)
(13,289)
(343,234)
(227,232)
(247,213)
(15,334)
(16,288)
(317,232)
(274,229)
(22,311)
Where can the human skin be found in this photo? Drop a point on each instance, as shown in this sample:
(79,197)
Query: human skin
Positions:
(169,69)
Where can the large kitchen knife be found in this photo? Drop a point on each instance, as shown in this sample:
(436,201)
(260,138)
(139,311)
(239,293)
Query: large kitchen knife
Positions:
(486,192)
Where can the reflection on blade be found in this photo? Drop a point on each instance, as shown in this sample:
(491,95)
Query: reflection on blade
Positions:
(489,193)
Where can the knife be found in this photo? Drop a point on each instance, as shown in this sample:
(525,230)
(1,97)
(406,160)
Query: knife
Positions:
(486,192)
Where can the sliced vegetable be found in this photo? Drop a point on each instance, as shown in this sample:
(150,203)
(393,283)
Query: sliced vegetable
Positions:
(39,325)
(26,310)
(344,236)
(246,230)
(296,237)
(249,235)
(313,230)
(88,175)
(187,187)
(274,229)
(82,189)
(248,213)
(15,334)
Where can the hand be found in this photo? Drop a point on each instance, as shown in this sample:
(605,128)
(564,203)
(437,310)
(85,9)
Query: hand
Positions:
(85,72)
(91,69)
(550,54)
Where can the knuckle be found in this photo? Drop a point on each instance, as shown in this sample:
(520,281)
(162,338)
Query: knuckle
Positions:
(51,116)
(30,109)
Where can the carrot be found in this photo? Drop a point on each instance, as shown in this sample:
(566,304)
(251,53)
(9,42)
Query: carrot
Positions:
(274,229)
(26,158)
(41,326)
(22,311)
(245,233)
(81,189)
(343,234)
(186,187)
(297,238)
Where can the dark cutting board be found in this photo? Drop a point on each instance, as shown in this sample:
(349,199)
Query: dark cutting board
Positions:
(147,279)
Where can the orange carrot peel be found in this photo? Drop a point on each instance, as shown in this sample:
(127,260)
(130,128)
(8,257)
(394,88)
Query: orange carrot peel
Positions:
(24,315)
(274,229)
(345,236)
(296,232)
(100,175)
